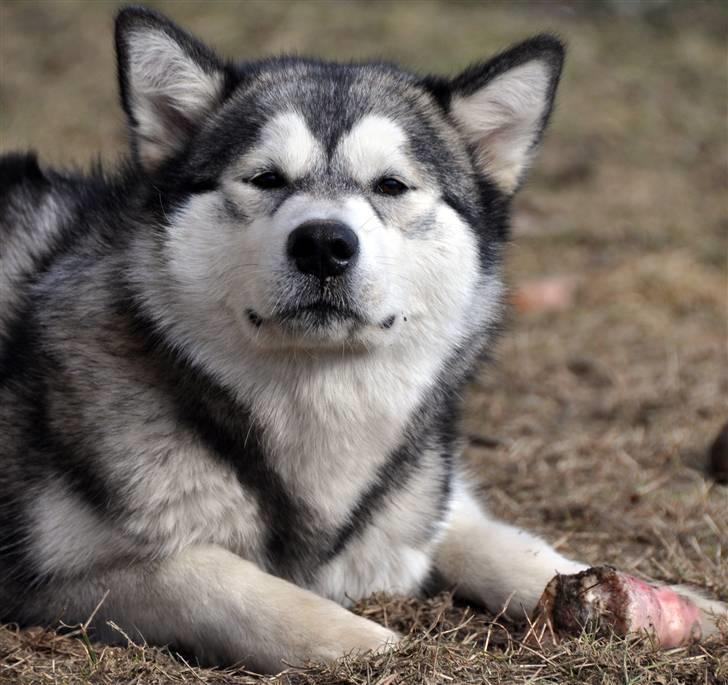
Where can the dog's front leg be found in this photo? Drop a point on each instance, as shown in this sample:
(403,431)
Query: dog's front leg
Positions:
(210,603)
(493,563)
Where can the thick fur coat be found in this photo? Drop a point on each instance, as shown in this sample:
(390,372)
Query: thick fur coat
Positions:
(230,372)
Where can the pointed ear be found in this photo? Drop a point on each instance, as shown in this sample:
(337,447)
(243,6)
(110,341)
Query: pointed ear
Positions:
(168,80)
(503,106)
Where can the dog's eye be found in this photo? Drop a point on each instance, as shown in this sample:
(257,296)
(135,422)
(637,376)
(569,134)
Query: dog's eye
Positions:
(268,180)
(390,186)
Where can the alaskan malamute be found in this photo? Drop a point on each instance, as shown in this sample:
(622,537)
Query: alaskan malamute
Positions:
(231,371)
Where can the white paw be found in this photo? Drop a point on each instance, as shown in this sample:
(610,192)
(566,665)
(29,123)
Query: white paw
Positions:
(352,635)
(712,611)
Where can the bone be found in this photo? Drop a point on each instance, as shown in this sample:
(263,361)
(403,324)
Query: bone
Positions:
(606,600)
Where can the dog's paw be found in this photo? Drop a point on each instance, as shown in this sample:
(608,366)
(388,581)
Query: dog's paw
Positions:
(357,637)
(713,613)
(342,633)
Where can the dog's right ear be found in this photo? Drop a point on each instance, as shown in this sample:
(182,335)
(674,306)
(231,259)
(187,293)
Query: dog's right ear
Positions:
(169,83)
(502,106)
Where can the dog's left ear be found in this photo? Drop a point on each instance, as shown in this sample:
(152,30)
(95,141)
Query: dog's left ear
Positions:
(169,82)
(502,106)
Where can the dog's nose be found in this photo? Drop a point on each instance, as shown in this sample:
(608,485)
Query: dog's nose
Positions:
(323,248)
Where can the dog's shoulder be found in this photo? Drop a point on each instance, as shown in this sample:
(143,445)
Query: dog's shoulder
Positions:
(39,210)
(44,210)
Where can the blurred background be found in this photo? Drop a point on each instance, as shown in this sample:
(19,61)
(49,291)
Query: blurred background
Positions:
(611,379)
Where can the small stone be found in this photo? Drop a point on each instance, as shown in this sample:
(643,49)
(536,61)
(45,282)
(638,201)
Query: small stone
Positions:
(545,294)
(719,457)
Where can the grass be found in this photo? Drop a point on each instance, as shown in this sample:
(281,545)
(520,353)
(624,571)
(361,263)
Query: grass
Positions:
(447,644)
(595,418)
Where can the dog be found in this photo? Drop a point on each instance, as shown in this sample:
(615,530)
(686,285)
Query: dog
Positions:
(231,370)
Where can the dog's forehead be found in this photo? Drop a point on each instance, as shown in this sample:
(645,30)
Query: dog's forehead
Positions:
(292,107)
(333,98)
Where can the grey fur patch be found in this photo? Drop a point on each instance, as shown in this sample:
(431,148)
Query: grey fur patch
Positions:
(158,438)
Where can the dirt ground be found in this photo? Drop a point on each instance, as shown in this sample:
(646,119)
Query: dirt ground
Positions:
(591,424)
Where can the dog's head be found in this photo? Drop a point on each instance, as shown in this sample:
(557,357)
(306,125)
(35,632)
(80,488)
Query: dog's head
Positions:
(320,205)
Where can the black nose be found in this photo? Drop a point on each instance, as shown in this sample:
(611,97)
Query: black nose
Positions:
(323,248)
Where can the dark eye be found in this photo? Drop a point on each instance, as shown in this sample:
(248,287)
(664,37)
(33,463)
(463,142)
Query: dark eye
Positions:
(268,180)
(390,186)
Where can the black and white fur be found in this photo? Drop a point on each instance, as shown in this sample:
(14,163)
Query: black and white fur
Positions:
(212,448)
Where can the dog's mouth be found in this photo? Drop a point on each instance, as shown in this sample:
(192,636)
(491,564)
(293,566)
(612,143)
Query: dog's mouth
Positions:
(316,315)
(320,312)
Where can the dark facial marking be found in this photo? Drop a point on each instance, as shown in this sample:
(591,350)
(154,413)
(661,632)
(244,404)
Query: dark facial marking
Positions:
(421,226)
(254,318)
(235,211)
(389,322)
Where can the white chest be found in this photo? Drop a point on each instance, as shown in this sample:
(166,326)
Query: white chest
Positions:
(330,427)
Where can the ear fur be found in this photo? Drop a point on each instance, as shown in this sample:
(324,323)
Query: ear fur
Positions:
(168,80)
(502,107)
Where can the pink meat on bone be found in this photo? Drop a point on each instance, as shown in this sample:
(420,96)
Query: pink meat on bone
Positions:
(674,619)
(605,599)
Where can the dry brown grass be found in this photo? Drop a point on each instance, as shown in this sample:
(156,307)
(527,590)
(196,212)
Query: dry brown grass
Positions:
(599,414)
(446,644)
